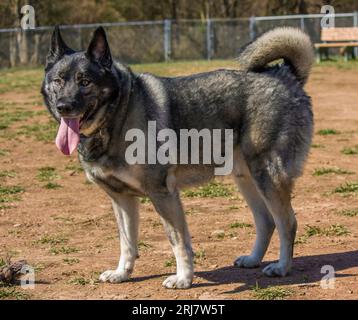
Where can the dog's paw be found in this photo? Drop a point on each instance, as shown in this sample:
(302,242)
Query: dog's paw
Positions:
(177,282)
(275,270)
(247,262)
(114,276)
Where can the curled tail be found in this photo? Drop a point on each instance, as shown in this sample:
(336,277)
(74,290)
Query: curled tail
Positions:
(290,44)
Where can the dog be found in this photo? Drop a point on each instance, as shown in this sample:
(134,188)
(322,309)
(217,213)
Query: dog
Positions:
(97,101)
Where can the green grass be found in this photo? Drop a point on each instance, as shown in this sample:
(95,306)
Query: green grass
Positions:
(199,256)
(12,293)
(144,245)
(74,167)
(52,185)
(326,132)
(71,261)
(10,193)
(40,131)
(240,225)
(144,200)
(318,146)
(339,63)
(63,250)
(348,212)
(271,293)
(81,281)
(52,240)
(212,190)
(2,262)
(334,170)
(350,151)
(47,174)
(335,230)
(8,118)
(170,262)
(7,174)
(347,188)
(20,79)
(4,152)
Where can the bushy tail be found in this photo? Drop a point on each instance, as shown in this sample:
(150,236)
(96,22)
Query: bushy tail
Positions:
(290,44)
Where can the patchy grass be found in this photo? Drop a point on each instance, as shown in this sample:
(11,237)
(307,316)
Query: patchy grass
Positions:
(74,168)
(20,80)
(144,245)
(71,261)
(10,193)
(52,240)
(348,212)
(2,262)
(199,256)
(40,131)
(144,200)
(333,230)
(8,118)
(47,174)
(63,250)
(52,185)
(241,225)
(347,188)
(271,293)
(326,132)
(82,281)
(7,174)
(12,293)
(317,146)
(170,262)
(335,170)
(4,152)
(336,230)
(212,190)
(350,151)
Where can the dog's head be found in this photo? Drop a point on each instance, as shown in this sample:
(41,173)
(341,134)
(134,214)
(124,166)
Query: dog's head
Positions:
(78,86)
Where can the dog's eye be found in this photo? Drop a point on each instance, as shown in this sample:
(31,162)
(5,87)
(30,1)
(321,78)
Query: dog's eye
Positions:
(58,81)
(84,83)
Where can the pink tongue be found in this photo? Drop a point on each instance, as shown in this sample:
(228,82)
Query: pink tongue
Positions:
(68,135)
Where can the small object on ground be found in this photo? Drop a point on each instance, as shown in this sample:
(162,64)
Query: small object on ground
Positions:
(10,272)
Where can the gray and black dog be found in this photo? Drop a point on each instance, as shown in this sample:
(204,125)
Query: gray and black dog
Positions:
(97,100)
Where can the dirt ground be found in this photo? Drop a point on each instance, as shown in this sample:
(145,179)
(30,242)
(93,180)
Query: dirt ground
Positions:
(64,226)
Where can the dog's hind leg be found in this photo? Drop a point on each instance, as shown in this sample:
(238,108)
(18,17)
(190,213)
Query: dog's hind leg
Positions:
(264,222)
(126,211)
(169,207)
(277,197)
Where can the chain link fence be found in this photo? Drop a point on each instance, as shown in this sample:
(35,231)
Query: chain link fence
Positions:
(156,41)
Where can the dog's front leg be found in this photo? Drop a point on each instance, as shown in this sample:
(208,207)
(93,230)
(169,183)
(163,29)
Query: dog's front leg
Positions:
(171,212)
(126,211)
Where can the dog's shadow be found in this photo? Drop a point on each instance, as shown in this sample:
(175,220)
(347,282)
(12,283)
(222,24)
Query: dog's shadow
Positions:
(305,270)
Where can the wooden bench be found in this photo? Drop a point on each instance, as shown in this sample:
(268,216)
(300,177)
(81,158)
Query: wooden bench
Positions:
(345,38)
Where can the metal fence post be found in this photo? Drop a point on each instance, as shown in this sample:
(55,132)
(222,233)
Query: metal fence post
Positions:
(355,24)
(252,28)
(302,23)
(167,39)
(209,42)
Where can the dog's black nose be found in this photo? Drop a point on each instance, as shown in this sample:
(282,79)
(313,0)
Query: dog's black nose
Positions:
(64,107)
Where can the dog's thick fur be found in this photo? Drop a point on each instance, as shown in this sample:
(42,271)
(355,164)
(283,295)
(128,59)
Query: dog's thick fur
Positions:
(265,106)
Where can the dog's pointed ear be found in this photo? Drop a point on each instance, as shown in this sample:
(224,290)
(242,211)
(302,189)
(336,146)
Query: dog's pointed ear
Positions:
(98,49)
(58,48)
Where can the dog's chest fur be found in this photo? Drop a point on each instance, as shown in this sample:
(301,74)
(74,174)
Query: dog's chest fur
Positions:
(121,179)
